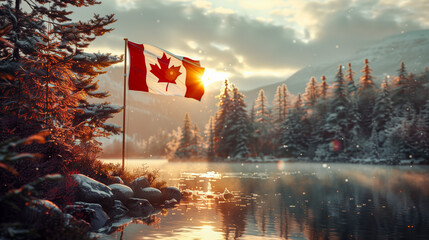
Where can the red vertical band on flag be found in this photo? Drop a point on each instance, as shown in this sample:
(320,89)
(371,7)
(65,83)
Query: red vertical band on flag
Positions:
(137,75)
(194,73)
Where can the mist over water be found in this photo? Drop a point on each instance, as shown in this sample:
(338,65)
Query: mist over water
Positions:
(290,201)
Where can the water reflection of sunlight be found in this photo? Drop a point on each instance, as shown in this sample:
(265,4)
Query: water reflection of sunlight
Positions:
(213,175)
(208,232)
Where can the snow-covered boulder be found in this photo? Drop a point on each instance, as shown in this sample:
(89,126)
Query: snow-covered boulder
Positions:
(93,213)
(170,193)
(139,183)
(139,207)
(91,191)
(121,192)
(118,210)
(117,179)
(153,195)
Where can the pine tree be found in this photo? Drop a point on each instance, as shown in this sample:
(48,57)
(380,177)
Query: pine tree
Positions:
(294,138)
(401,92)
(351,86)
(278,106)
(53,79)
(239,135)
(187,139)
(323,103)
(336,135)
(424,138)
(285,101)
(382,115)
(262,125)
(222,149)
(311,93)
(366,98)
(324,88)
(400,132)
(261,108)
(280,110)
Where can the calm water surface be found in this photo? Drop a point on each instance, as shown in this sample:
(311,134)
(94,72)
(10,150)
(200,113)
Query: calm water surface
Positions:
(289,201)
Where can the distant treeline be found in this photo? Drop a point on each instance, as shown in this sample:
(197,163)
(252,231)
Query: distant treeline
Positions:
(348,120)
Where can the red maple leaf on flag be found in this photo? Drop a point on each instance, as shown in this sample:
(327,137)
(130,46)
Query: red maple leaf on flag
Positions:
(165,74)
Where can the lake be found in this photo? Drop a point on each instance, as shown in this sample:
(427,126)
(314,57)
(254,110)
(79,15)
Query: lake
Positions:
(289,201)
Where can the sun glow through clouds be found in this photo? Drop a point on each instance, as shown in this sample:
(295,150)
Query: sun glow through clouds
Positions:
(210,76)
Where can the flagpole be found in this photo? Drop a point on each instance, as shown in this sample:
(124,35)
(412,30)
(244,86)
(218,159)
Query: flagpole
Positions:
(125,105)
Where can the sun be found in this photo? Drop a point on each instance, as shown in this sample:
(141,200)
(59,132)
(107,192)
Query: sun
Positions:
(211,75)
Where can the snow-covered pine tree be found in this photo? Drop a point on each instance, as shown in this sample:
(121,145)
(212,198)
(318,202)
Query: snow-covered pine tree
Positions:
(425,130)
(335,130)
(399,134)
(323,100)
(238,138)
(280,110)
(311,98)
(261,108)
(422,88)
(311,94)
(351,85)
(401,92)
(366,99)
(53,79)
(285,101)
(382,114)
(294,138)
(222,149)
(187,139)
(318,117)
(324,88)
(263,127)
(278,106)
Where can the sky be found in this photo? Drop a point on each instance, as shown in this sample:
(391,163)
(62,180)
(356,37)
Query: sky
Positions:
(255,42)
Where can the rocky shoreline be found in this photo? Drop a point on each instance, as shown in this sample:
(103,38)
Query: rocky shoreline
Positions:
(104,208)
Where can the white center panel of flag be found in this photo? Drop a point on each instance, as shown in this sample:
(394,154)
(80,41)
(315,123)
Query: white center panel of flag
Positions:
(153,56)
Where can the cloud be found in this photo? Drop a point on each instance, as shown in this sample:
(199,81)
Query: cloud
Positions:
(222,10)
(202,4)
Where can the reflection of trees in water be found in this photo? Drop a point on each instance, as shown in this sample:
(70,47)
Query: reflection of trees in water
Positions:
(342,205)
(233,219)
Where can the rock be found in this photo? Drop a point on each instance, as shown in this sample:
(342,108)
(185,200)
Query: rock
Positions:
(187,193)
(40,211)
(93,213)
(138,184)
(118,210)
(139,207)
(81,224)
(170,193)
(116,225)
(227,195)
(91,191)
(117,179)
(153,195)
(170,203)
(121,192)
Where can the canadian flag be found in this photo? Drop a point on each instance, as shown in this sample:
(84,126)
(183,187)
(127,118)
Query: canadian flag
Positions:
(158,71)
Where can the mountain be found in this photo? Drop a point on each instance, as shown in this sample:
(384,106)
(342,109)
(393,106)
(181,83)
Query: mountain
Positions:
(384,59)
